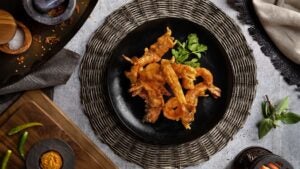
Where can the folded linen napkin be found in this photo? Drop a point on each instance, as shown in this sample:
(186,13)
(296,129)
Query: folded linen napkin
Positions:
(281,21)
(54,72)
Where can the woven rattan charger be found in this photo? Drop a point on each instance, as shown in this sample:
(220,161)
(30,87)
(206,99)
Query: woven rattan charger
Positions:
(95,99)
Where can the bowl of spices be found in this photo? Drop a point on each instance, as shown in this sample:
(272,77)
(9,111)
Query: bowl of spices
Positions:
(49,12)
(259,158)
(50,154)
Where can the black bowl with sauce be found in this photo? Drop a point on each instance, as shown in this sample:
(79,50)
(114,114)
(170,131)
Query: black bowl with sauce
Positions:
(33,159)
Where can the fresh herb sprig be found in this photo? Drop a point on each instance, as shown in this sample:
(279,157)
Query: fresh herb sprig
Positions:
(189,52)
(273,114)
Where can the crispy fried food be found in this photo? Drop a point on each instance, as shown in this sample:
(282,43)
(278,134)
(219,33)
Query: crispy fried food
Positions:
(150,74)
(148,82)
(158,49)
(173,81)
(187,73)
(154,103)
(152,55)
(192,101)
(208,79)
(172,109)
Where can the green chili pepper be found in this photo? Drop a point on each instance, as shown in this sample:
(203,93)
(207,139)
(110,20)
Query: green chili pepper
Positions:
(19,128)
(21,145)
(6,159)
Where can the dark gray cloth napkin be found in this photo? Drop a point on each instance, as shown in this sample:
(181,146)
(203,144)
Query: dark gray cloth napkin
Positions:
(54,72)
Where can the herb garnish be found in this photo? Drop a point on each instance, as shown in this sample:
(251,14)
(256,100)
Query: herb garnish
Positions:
(189,52)
(274,114)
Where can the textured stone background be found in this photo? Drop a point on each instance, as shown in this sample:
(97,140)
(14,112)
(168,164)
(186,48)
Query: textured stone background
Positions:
(283,141)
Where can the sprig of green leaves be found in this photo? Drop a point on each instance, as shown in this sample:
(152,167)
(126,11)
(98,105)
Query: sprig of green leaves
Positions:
(273,114)
(189,52)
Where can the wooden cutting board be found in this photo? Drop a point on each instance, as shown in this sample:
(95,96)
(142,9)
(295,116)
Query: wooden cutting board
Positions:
(35,106)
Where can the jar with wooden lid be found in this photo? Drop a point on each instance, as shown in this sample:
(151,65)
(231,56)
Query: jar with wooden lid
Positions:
(259,158)
(8,27)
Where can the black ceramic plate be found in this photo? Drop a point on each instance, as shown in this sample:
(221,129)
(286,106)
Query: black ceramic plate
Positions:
(131,110)
(39,52)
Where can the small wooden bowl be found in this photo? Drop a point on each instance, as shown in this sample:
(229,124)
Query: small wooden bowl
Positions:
(8,27)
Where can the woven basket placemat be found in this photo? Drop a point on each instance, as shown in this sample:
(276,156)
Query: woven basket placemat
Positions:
(94,94)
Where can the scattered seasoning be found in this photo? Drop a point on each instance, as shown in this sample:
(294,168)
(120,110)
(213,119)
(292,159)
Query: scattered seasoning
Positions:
(51,160)
(37,38)
(52,40)
(57,11)
(19,128)
(66,22)
(21,145)
(77,9)
(20,60)
(6,159)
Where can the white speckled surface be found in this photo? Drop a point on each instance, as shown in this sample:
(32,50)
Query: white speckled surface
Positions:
(283,141)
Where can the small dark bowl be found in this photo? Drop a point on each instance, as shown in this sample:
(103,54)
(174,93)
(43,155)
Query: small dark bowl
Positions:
(65,150)
(44,18)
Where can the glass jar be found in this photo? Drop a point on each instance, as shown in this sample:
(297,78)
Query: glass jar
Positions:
(259,158)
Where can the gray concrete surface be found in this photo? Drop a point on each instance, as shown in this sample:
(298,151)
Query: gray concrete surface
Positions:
(283,141)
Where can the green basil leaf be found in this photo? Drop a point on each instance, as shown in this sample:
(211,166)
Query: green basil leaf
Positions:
(198,55)
(282,105)
(201,48)
(183,45)
(263,109)
(192,64)
(193,38)
(178,43)
(264,127)
(194,60)
(175,53)
(290,118)
(187,49)
(193,47)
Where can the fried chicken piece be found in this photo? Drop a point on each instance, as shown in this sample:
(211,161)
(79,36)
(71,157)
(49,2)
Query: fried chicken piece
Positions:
(154,103)
(173,81)
(192,97)
(152,75)
(150,87)
(208,79)
(172,110)
(187,73)
(152,55)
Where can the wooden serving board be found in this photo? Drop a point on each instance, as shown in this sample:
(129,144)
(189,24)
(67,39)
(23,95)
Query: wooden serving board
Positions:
(35,106)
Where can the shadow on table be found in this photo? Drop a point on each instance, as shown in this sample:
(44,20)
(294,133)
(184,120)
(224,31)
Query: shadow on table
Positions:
(230,165)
